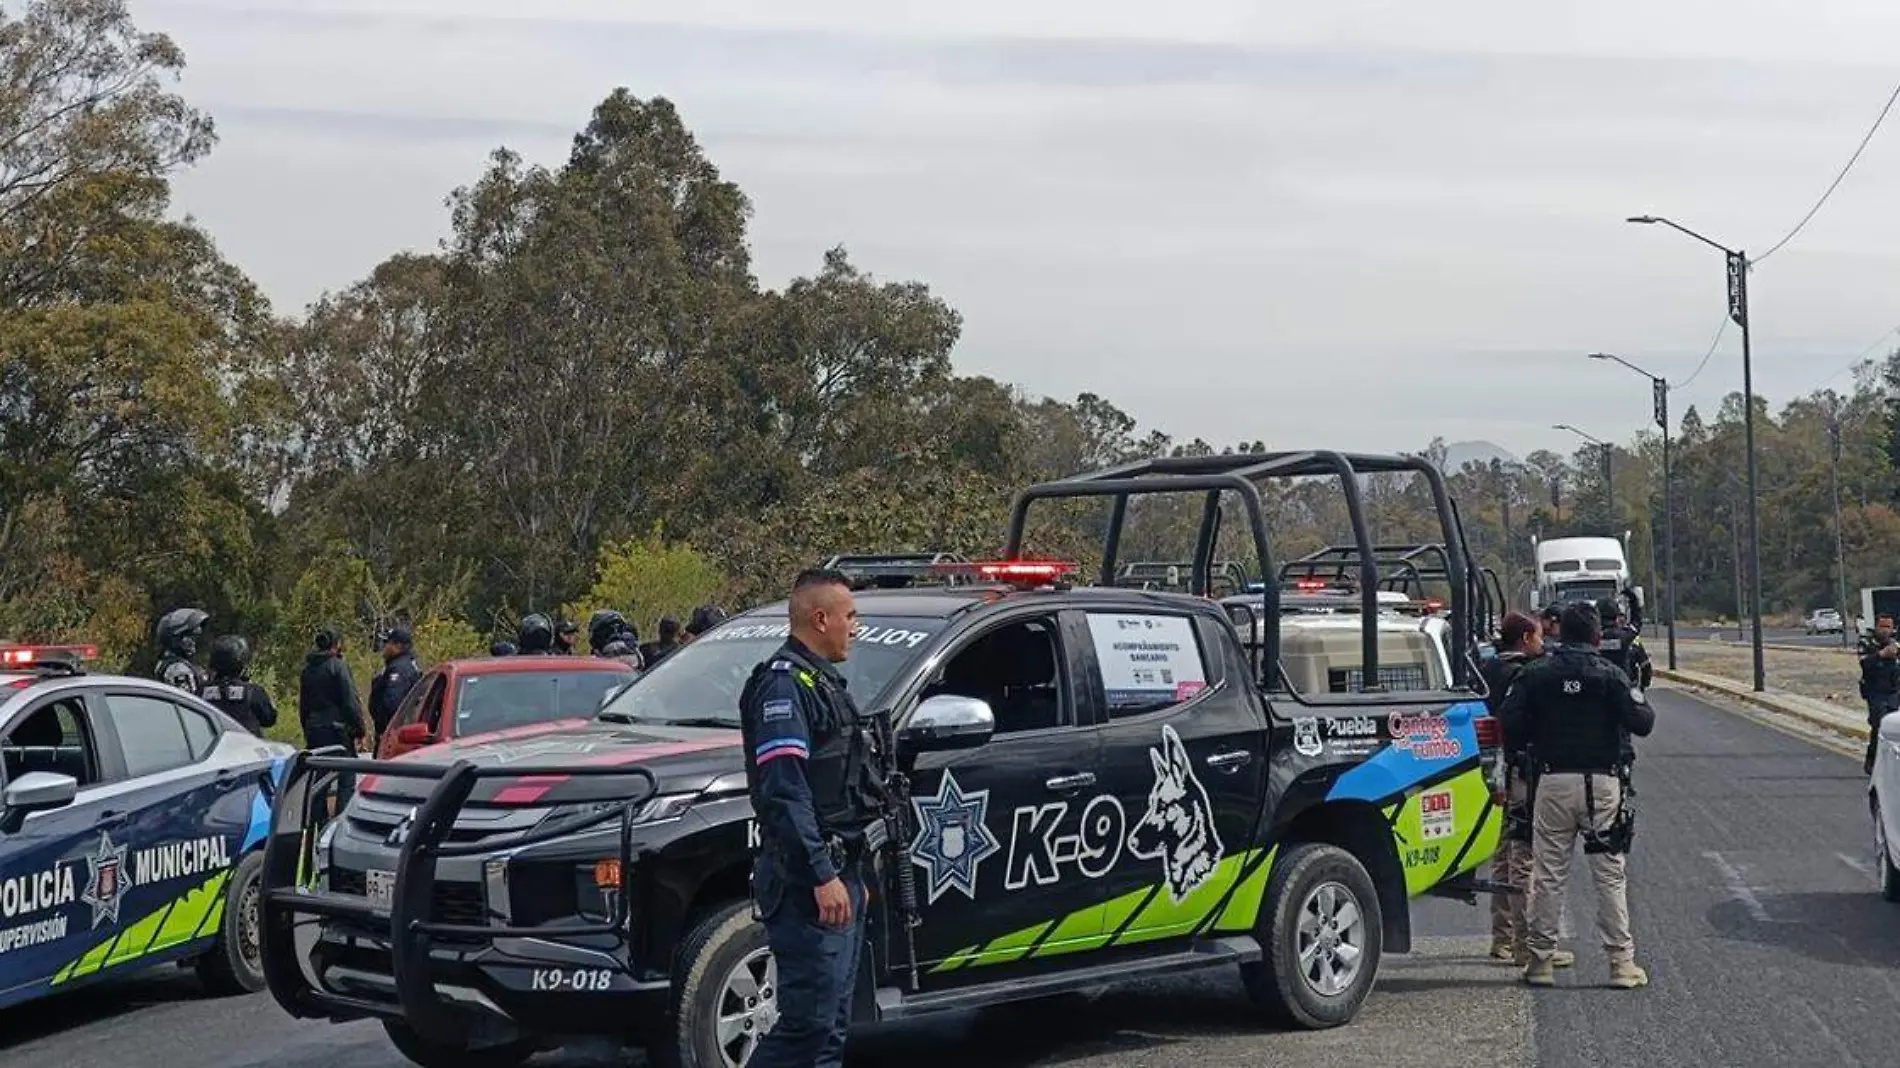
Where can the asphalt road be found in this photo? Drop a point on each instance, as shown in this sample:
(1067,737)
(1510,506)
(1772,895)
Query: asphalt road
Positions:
(1754,910)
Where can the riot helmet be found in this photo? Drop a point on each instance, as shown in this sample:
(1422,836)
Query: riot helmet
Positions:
(603,628)
(230,657)
(536,634)
(1608,610)
(178,631)
(502,649)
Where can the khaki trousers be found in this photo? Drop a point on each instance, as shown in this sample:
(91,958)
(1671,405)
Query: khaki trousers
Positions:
(1559,817)
(1511,866)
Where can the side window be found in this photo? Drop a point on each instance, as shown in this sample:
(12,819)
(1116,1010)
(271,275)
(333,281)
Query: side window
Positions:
(432,703)
(53,737)
(410,709)
(151,734)
(1148,661)
(1017,669)
(200,734)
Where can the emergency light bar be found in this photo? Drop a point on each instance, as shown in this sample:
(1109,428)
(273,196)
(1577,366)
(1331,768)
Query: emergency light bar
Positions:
(1026,574)
(21,656)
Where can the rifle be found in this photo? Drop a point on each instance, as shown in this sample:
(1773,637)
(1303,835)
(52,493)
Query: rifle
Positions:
(903,872)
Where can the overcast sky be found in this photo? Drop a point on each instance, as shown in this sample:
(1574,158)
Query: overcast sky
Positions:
(1352,224)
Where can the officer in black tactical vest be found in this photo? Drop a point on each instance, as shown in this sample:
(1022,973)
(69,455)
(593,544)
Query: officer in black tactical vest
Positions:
(230,687)
(1622,643)
(814,768)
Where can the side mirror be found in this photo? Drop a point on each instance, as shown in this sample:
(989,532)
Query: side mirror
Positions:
(1890,728)
(948,721)
(36,791)
(414,734)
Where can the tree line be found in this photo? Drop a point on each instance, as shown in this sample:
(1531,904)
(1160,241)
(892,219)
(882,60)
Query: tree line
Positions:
(584,398)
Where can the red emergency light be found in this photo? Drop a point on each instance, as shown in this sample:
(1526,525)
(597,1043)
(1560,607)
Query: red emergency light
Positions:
(18,656)
(1310,584)
(1022,573)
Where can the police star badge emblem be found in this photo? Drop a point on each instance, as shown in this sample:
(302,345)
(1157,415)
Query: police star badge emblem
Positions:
(105,883)
(952,839)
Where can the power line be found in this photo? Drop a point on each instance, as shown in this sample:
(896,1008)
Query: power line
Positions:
(1835,184)
(1713,345)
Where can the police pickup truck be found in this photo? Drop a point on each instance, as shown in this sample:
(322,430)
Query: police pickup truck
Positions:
(1097,784)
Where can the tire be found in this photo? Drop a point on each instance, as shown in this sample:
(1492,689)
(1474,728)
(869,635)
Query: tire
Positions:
(236,965)
(1307,881)
(711,957)
(1883,860)
(430,1054)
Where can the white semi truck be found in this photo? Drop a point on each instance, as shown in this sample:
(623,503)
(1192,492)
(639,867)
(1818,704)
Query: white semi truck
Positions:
(1586,569)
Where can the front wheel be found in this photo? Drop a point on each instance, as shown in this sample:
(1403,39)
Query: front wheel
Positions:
(431,1054)
(1322,933)
(236,964)
(1883,859)
(726,993)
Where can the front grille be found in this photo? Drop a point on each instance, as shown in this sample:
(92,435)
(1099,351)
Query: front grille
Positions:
(450,902)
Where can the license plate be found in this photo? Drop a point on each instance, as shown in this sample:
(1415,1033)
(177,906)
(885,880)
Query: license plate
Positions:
(380,888)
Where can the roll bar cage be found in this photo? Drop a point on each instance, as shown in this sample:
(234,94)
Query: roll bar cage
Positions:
(1243,474)
(1406,569)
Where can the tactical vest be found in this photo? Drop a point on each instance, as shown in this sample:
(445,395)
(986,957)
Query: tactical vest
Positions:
(847,791)
(230,696)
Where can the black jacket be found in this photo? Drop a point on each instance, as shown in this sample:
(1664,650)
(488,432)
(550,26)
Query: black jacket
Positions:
(242,700)
(1499,674)
(327,704)
(1574,709)
(1623,646)
(1879,677)
(389,687)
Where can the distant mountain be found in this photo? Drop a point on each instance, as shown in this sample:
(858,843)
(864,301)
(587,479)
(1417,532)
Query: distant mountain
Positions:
(1458,454)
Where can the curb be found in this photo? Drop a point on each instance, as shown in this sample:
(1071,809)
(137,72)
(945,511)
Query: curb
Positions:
(1744,693)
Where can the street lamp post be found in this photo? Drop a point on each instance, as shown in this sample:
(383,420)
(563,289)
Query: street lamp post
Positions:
(1738,311)
(1659,397)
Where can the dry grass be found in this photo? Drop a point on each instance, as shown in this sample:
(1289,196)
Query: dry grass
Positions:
(1829,674)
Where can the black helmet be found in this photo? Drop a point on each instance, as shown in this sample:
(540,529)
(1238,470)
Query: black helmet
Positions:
(502,649)
(602,628)
(1607,610)
(536,634)
(705,618)
(178,631)
(230,657)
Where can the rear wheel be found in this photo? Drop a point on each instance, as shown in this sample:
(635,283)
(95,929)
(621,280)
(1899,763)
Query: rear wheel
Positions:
(431,1054)
(236,964)
(726,993)
(1322,933)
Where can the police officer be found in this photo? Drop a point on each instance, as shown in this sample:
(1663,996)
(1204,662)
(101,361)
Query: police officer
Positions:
(603,629)
(1622,643)
(535,635)
(655,651)
(564,637)
(231,689)
(1548,619)
(1520,641)
(177,634)
(398,677)
(502,648)
(327,704)
(704,618)
(816,787)
(1572,709)
(1879,681)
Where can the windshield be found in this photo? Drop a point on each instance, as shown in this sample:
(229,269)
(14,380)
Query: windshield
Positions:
(701,682)
(518,698)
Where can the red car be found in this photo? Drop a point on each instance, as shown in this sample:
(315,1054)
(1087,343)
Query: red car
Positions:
(457,698)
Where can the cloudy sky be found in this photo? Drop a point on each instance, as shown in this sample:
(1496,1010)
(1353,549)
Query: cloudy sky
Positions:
(1352,224)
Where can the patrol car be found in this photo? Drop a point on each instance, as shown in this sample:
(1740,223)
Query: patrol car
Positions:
(132,817)
(1100,784)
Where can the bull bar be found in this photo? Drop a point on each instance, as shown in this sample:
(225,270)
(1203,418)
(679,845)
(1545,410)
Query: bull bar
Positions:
(290,852)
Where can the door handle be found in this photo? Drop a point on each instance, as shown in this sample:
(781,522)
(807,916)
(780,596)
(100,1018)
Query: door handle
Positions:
(111,817)
(1065,783)
(1230,760)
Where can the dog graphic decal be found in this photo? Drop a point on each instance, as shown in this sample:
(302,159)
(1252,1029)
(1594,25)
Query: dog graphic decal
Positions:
(1178,828)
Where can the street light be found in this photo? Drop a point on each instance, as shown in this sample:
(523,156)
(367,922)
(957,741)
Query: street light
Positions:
(1738,311)
(1609,451)
(1659,394)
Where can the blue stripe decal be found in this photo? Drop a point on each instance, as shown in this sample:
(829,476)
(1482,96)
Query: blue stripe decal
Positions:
(1420,749)
(260,806)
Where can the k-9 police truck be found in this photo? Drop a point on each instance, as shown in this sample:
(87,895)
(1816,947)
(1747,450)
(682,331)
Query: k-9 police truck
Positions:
(1092,784)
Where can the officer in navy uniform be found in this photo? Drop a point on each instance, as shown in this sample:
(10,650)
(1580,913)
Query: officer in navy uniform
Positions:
(231,689)
(813,769)
(1622,643)
(177,635)
(392,684)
